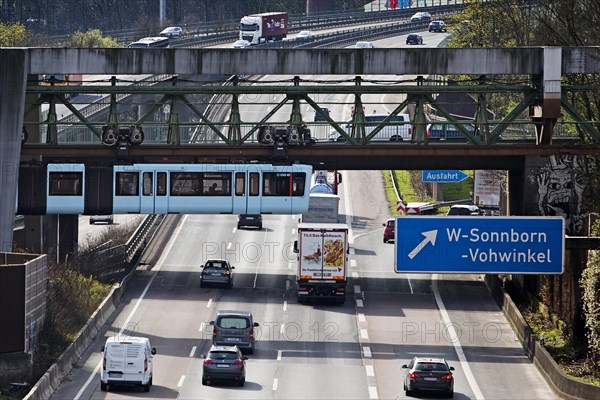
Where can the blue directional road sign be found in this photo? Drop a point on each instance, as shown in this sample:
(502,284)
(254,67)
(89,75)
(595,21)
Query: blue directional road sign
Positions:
(463,244)
(443,176)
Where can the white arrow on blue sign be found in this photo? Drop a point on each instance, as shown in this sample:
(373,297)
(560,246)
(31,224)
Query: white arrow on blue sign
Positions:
(464,244)
(443,176)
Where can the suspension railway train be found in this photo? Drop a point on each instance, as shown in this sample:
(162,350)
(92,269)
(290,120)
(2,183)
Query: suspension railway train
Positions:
(163,189)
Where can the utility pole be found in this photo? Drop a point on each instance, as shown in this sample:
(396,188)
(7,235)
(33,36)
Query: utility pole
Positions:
(163,12)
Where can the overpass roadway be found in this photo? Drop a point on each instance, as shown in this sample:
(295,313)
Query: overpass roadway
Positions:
(315,351)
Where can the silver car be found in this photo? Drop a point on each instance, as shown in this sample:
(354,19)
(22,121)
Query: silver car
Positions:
(101,218)
(425,374)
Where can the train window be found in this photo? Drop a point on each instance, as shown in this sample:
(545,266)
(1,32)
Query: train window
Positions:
(298,183)
(127,184)
(240,183)
(216,184)
(65,183)
(186,183)
(161,183)
(147,184)
(254,183)
(278,184)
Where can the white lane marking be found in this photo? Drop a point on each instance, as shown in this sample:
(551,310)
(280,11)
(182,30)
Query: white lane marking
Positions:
(259,261)
(359,303)
(233,230)
(202,326)
(293,231)
(370,370)
(284,305)
(373,393)
(409,284)
(356,288)
(275,382)
(209,304)
(281,328)
(180,383)
(229,245)
(366,352)
(137,304)
(354,274)
(348,210)
(353,263)
(193,351)
(455,340)
(291,265)
(279,355)
(364,334)
(361,317)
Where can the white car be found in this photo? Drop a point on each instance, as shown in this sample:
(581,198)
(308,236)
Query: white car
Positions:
(172,32)
(241,44)
(304,35)
(364,45)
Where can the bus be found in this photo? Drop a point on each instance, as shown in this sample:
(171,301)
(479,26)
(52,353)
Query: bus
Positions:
(147,42)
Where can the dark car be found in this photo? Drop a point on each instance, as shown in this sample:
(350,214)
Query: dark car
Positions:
(443,131)
(428,375)
(247,220)
(464,209)
(437,26)
(224,364)
(388,231)
(234,328)
(319,117)
(414,38)
(218,272)
(101,218)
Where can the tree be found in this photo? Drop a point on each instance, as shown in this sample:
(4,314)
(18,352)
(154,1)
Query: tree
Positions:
(91,38)
(13,35)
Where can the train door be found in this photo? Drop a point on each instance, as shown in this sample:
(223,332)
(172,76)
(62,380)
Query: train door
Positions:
(154,199)
(240,191)
(253,197)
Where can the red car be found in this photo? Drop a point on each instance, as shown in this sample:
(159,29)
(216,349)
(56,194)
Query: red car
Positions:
(388,232)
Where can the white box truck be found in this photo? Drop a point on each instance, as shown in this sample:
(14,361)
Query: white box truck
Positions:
(322,248)
(260,28)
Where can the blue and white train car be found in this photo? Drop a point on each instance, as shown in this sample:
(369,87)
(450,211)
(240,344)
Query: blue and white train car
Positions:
(163,189)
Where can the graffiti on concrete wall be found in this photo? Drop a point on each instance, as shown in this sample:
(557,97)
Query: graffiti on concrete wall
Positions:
(560,188)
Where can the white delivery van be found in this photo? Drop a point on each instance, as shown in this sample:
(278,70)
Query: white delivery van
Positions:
(127,361)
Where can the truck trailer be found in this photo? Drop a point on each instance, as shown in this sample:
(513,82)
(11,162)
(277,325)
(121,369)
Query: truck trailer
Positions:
(322,248)
(260,28)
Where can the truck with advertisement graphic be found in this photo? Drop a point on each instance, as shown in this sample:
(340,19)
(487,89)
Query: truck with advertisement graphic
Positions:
(260,28)
(322,249)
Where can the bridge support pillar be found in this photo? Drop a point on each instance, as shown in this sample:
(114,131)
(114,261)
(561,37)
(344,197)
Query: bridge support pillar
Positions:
(13,80)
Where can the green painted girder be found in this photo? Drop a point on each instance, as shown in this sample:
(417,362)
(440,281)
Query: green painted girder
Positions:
(587,126)
(257,88)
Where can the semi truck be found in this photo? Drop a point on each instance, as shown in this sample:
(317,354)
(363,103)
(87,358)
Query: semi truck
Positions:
(260,28)
(322,249)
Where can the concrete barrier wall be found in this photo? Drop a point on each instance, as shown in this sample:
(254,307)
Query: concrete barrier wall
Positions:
(563,385)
